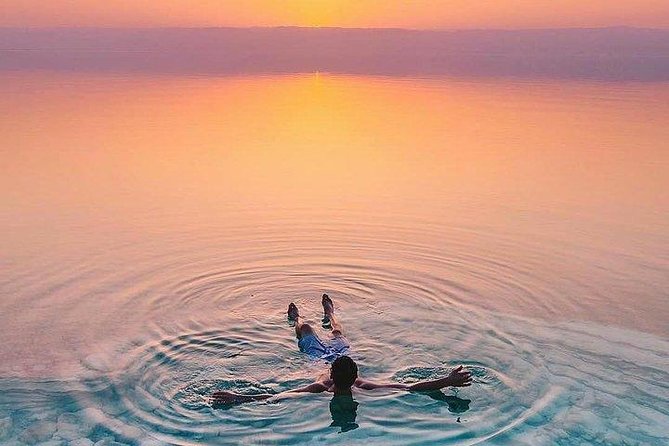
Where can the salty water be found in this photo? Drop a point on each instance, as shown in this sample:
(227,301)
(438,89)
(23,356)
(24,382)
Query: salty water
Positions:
(155,228)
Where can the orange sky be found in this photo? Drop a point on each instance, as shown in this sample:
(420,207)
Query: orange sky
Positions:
(346,13)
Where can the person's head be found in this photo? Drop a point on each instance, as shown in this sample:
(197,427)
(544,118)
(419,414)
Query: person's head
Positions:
(344,372)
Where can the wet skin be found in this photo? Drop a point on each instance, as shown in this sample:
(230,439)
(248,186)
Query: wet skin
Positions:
(458,377)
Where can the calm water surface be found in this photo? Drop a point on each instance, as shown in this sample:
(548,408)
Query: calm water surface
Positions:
(155,229)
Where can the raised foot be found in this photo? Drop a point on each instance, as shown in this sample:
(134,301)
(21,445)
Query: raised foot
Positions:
(328,306)
(328,309)
(293,312)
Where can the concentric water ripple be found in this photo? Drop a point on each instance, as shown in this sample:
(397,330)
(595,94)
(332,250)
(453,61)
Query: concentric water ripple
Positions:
(184,320)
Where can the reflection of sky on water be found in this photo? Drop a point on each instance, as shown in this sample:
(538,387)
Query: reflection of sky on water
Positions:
(158,226)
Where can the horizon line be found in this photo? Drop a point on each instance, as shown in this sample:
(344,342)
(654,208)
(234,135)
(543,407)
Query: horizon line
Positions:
(343,28)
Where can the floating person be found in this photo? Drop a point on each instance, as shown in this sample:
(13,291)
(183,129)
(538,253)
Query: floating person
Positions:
(343,376)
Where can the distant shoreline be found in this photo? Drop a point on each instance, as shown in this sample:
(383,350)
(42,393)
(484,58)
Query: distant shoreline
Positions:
(613,54)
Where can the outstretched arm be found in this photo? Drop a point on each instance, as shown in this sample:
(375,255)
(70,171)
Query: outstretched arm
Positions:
(226,398)
(457,378)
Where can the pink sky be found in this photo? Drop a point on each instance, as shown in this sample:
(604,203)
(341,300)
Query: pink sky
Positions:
(345,13)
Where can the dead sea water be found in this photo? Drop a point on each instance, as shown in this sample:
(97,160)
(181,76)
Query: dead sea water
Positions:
(155,229)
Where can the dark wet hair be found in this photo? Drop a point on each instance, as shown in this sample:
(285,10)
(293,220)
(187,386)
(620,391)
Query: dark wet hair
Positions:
(343,372)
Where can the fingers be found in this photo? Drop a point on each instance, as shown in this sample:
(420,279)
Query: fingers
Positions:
(467,380)
(461,371)
(463,377)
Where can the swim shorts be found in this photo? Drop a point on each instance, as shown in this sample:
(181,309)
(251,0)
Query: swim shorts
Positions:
(329,351)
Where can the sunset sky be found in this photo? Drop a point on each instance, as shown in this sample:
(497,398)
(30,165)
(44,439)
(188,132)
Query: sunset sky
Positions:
(345,13)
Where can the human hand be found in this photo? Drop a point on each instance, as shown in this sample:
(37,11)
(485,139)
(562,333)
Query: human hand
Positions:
(224,398)
(459,377)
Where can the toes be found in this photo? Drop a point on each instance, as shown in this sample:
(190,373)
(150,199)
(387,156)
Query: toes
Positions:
(292,311)
(327,302)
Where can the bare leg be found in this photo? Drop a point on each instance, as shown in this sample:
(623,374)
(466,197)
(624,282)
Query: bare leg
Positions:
(329,313)
(301,328)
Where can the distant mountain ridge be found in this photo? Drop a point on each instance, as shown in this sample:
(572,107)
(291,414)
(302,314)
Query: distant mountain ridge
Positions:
(618,53)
